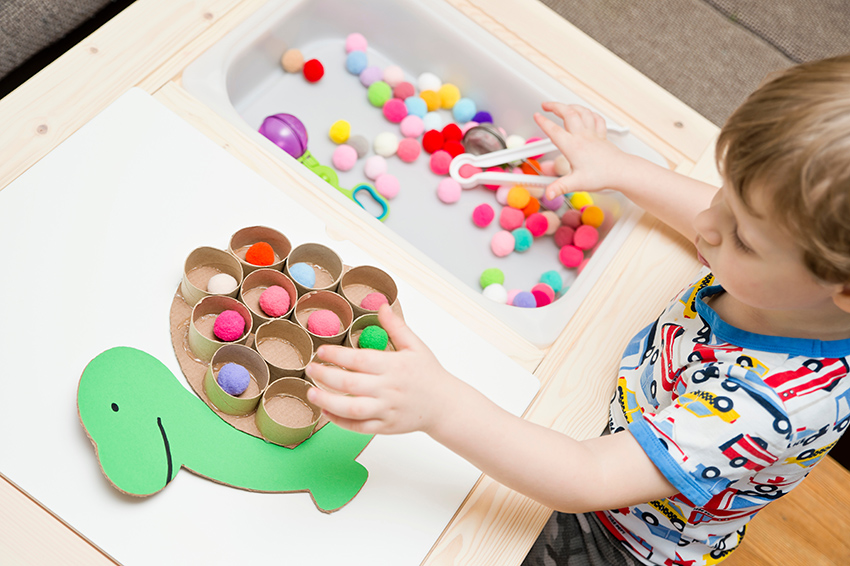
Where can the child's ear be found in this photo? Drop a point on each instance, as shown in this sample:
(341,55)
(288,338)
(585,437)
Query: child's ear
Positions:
(842,298)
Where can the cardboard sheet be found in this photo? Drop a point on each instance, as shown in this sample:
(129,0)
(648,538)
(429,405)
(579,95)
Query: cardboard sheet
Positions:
(94,239)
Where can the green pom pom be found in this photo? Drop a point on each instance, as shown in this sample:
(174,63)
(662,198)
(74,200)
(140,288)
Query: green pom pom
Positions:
(490,276)
(379,92)
(553,279)
(523,239)
(374,338)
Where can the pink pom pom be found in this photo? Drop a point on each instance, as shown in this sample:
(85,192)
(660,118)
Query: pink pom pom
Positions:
(495,187)
(344,157)
(440,161)
(512,293)
(412,126)
(502,243)
(564,236)
(374,167)
(449,191)
(323,322)
(467,126)
(585,237)
(393,75)
(355,42)
(387,185)
(536,224)
(275,301)
(570,256)
(483,215)
(229,326)
(373,301)
(541,298)
(528,141)
(394,110)
(466,171)
(408,150)
(502,193)
(547,168)
(403,89)
(511,218)
(571,218)
(546,289)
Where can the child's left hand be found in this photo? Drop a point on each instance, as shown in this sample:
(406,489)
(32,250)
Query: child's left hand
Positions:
(387,392)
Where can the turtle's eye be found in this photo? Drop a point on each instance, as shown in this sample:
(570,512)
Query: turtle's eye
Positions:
(115,407)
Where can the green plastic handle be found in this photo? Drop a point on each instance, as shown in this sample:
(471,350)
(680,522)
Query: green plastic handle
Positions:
(330,176)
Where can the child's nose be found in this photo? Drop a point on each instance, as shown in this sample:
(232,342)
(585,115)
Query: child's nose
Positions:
(707,226)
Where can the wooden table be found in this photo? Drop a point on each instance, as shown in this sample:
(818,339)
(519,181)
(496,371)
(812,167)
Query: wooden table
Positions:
(150,43)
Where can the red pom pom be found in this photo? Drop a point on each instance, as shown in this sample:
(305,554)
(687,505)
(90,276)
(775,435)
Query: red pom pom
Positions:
(452,132)
(432,141)
(313,70)
(454,147)
(536,224)
(541,298)
(260,253)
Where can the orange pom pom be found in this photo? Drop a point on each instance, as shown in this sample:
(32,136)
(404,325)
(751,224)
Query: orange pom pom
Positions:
(260,253)
(518,197)
(593,216)
(528,167)
(532,207)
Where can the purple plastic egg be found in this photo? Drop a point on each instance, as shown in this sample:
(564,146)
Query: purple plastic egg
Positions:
(287,132)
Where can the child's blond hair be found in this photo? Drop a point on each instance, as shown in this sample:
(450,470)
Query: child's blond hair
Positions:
(792,135)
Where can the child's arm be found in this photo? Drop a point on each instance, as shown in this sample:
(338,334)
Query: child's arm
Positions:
(408,390)
(597,163)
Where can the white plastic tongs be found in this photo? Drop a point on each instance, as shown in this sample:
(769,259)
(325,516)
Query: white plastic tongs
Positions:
(500,157)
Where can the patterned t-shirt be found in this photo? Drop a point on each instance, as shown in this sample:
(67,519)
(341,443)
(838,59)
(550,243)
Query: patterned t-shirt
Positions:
(732,419)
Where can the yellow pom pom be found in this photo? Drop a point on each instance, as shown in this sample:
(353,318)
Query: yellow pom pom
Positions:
(593,216)
(518,197)
(449,94)
(340,131)
(580,199)
(431,98)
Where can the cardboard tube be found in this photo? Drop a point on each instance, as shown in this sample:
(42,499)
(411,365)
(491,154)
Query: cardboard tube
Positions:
(352,337)
(284,415)
(202,264)
(258,281)
(324,261)
(249,359)
(333,302)
(359,281)
(202,341)
(285,346)
(247,237)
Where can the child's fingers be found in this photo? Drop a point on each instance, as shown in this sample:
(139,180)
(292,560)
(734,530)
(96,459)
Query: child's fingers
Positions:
(559,136)
(347,407)
(342,380)
(601,125)
(402,337)
(371,426)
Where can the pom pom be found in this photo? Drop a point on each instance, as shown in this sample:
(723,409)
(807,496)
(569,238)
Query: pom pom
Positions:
(416,106)
(313,70)
(502,194)
(356,62)
(222,284)
(570,256)
(373,337)
(483,215)
(553,220)
(393,75)
(385,144)
(355,42)
(440,161)
(373,301)
(234,379)
(432,121)
(490,276)
(340,131)
(467,126)
(344,157)
(502,243)
(275,301)
(514,140)
(229,326)
(260,253)
(431,98)
(303,274)
(482,117)
(510,218)
(379,93)
(585,237)
(512,293)
(545,289)
(360,145)
(432,141)
(522,239)
(592,216)
(581,199)
(530,167)
(449,190)
(541,299)
(536,224)
(292,61)
(518,197)
(371,75)
(429,81)
(387,185)
(564,236)
(463,110)
(496,292)
(323,322)
(571,218)
(412,126)
(374,167)
(404,90)
(452,132)
(449,95)
(553,279)
(524,300)
(552,204)
(454,147)
(531,208)
(394,110)
(408,150)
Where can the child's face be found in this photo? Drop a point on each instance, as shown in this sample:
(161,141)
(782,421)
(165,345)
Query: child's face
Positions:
(755,261)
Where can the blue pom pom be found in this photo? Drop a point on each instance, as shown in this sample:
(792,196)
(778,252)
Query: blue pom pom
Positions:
(234,379)
(463,110)
(416,105)
(303,274)
(483,117)
(553,279)
(523,239)
(356,62)
(525,300)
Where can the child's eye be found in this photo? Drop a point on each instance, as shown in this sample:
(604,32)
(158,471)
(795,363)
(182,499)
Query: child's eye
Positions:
(739,243)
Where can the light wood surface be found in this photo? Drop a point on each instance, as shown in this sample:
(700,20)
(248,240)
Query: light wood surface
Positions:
(150,43)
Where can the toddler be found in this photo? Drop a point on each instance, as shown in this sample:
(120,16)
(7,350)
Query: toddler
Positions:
(722,404)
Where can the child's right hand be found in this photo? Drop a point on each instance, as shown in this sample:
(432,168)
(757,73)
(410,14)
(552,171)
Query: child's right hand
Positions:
(596,163)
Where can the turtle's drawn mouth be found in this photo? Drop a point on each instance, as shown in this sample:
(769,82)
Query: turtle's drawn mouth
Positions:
(167,449)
